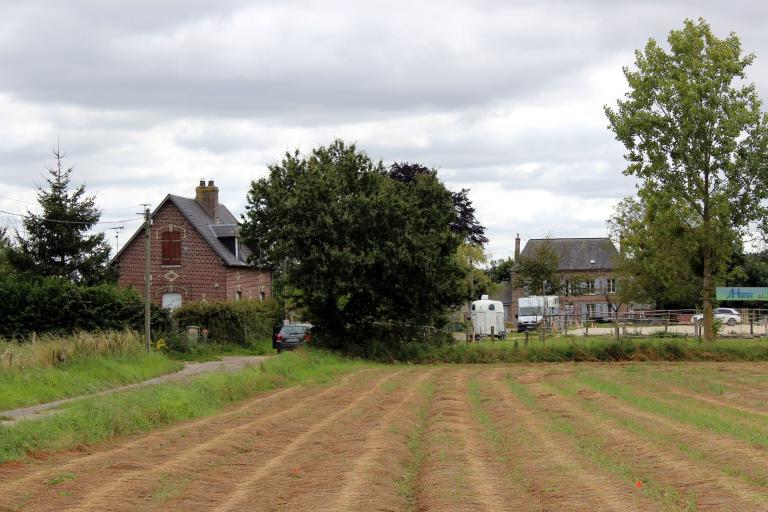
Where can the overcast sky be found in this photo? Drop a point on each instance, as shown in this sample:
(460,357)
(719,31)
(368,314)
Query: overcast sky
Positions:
(505,98)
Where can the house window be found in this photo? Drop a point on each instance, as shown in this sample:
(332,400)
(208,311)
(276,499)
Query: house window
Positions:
(589,287)
(171,248)
(171,300)
(238,295)
(610,285)
(590,311)
(567,287)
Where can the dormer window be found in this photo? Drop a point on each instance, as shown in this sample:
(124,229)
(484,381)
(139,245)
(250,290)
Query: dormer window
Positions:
(171,254)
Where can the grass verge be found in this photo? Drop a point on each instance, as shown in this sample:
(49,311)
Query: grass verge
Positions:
(131,412)
(215,351)
(568,348)
(30,386)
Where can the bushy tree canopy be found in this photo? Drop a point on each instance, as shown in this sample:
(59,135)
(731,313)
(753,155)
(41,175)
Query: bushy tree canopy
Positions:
(536,274)
(57,242)
(358,245)
(696,136)
(658,262)
(464,223)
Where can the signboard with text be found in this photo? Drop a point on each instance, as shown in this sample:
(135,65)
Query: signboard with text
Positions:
(741,293)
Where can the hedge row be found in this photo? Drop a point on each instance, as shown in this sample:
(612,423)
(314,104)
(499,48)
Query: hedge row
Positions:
(237,322)
(56,306)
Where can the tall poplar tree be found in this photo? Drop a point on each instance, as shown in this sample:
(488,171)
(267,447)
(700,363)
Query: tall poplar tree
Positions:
(695,135)
(58,242)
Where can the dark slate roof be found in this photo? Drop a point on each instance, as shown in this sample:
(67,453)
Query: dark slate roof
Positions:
(577,253)
(224,230)
(225,225)
(207,226)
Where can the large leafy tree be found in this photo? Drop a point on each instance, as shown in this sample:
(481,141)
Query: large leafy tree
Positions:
(501,269)
(58,242)
(695,133)
(464,223)
(357,245)
(476,281)
(536,274)
(658,262)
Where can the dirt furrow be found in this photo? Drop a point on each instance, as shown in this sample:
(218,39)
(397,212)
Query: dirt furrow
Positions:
(720,452)
(733,396)
(138,456)
(717,402)
(223,442)
(370,484)
(461,472)
(251,474)
(18,474)
(556,474)
(677,480)
(353,464)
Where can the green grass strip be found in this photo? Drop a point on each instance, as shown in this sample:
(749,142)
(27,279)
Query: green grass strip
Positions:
(141,410)
(30,386)
(663,439)
(596,450)
(684,411)
(406,485)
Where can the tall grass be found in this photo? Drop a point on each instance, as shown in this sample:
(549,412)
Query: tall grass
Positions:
(49,350)
(50,368)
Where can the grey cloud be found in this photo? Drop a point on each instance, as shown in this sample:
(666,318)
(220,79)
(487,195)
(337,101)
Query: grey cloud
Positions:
(136,71)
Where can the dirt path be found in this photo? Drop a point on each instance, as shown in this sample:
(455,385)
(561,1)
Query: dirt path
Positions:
(485,438)
(226,364)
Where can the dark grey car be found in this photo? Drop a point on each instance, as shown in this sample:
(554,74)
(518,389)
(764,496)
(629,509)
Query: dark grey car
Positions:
(291,336)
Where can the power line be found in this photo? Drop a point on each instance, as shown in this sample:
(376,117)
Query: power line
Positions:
(74,221)
(101,209)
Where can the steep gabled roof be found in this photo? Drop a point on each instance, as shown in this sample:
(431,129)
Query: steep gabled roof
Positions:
(225,225)
(577,254)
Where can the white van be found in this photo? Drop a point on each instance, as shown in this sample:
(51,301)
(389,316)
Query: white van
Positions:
(488,318)
(532,310)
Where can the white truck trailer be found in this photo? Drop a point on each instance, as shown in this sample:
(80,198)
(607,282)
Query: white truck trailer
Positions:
(488,318)
(532,311)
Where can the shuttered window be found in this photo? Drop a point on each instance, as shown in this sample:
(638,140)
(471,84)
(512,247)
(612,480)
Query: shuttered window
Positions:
(171,248)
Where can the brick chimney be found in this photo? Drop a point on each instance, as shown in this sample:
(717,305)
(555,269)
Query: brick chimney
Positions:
(517,247)
(208,197)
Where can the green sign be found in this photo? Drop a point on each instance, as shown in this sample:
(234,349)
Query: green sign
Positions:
(741,293)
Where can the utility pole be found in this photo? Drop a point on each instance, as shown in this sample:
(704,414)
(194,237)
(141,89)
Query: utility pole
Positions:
(147,276)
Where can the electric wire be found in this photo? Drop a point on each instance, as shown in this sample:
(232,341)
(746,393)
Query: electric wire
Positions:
(75,221)
(100,209)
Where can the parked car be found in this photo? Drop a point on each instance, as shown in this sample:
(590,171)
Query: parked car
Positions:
(292,336)
(728,316)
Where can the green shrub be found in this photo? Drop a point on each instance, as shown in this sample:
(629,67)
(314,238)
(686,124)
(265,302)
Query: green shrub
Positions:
(237,322)
(51,305)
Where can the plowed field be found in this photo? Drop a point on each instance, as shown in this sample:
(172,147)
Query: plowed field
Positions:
(616,437)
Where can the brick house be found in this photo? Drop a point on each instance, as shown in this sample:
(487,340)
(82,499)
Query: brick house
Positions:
(196,254)
(586,271)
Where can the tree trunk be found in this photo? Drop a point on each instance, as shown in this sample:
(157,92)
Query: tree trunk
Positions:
(707,293)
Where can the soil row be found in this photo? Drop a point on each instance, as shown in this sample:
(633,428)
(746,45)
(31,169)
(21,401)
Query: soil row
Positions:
(525,438)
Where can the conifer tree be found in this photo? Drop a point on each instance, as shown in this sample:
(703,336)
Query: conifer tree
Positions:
(58,242)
